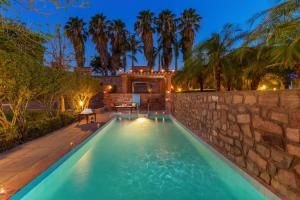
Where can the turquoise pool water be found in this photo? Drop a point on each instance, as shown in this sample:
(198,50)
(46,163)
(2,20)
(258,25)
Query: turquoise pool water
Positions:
(141,159)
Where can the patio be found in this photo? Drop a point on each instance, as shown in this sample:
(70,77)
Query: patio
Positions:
(22,164)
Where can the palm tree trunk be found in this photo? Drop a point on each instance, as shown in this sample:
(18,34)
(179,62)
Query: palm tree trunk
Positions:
(254,84)
(201,83)
(218,76)
(62,104)
(176,63)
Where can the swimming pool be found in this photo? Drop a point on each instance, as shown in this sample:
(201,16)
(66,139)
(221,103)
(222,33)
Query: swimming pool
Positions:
(142,158)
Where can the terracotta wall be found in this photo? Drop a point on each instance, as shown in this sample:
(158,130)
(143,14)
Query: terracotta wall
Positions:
(156,102)
(259,131)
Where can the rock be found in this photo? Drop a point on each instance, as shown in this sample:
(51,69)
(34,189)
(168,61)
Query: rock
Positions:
(293,149)
(243,118)
(250,99)
(237,99)
(257,159)
(287,178)
(267,126)
(293,134)
(246,130)
(280,117)
(282,159)
(295,120)
(265,177)
(268,99)
(288,100)
(263,151)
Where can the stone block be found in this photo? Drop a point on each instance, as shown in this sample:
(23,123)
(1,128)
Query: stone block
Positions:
(267,126)
(293,134)
(226,139)
(268,99)
(257,159)
(281,158)
(265,177)
(250,99)
(295,119)
(243,118)
(288,100)
(287,178)
(263,151)
(251,166)
(246,130)
(294,149)
(237,99)
(280,117)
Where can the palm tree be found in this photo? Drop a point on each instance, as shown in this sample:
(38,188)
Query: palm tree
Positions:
(194,71)
(166,27)
(118,37)
(188,26)
(134,47)
(176,51)
(144,27)
(218,46)
(75,31)
(99,30)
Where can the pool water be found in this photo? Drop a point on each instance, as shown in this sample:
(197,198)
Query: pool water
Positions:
(142,159)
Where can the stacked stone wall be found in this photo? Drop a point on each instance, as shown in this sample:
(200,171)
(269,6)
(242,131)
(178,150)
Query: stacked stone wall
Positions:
(257,130)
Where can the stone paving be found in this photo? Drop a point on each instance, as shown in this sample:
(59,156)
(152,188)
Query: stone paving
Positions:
(22,164)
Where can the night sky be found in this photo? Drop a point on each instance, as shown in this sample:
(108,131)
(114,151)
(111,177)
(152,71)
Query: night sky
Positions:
(215,14)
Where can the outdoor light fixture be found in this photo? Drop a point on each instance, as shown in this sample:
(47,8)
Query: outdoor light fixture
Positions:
(109,87)
(168,91)
(141,70)
(179,90)
(162,70)
(81,103)
(141,119)
(263,87)
(274,89)
(2,190)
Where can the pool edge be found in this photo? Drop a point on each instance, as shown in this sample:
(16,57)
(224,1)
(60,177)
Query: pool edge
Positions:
(36,180)
(260,186)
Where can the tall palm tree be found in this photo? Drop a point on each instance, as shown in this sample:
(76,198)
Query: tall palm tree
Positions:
(145,28)
(176,51)
(134,47)
(189,24)
(99,31)
(166,27)
(118,35)
(75,31)
(218,46)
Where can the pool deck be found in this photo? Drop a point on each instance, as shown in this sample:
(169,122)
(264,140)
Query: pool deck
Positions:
(22,164)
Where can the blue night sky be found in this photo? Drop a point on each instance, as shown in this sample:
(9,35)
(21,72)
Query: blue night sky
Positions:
(215,14)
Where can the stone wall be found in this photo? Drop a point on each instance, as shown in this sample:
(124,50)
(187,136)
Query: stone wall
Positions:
(259,131)
(114,81)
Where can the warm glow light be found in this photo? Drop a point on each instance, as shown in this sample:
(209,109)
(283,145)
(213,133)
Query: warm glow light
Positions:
(179,89)
(168,91)
(109,87)
(162,70)
(81,103)
(141,70)
(263,87)
(274,89)
(173,70)
(2,191)
(172,87)
(141,119)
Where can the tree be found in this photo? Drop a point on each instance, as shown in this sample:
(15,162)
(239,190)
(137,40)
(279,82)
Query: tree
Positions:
(166,27)
(99,30)
(145,28)
(75,31)
(176,51)
(118,37)
(60,57)
(134,47)
(218,46)
(189,25)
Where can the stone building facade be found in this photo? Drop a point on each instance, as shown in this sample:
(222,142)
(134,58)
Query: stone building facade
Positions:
(257,130)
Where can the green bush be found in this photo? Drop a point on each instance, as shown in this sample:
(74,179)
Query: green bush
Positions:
(39,124)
